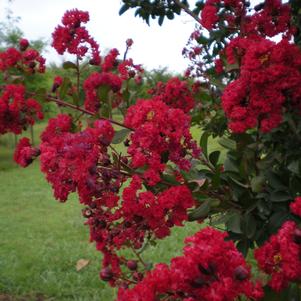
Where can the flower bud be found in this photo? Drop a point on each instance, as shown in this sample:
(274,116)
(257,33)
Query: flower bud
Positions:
(129,42)
(23,44)
(132,265)
(241,273)
(106,274)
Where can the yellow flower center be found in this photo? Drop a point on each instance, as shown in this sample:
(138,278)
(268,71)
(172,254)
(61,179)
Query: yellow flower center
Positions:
(150,115)
(264,58)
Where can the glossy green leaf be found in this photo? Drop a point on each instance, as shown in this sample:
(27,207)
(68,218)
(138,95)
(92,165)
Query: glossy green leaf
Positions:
(213,157)
(120,136)
(248,225)
(233,224)
(204,143)
(200,212)
(257,183)
(280,196)
(102,92)
(123,9)
(64,88)
(69,65)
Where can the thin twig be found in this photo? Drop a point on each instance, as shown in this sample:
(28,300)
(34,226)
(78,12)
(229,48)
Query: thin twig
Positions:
(188,11)
(138,256)
(69,105)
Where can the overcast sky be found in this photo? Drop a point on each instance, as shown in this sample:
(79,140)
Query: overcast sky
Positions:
(154,46)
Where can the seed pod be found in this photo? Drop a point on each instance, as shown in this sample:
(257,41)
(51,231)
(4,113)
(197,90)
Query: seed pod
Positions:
(106,274)
(241,273)
(132,265)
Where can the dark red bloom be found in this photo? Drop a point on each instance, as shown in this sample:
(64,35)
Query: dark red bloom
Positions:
(96,81)
(211,269)
(269,79)
(73,37)
(175,93)
(209,16)
(280,256)
(71,161)
(25,153)
(17,112)
(161,134)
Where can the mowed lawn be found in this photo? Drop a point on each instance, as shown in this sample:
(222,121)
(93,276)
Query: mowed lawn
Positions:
(41,240)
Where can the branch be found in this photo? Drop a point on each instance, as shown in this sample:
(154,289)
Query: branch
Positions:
(188,11)
(69,105)
(74,107)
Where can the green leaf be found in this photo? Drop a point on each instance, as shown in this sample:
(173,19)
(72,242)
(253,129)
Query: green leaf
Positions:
(230,165)
(271,295)
(257,183)
(75,98)
(202,40)
(276,220)
(41,94)
(161,20)
(123,9)
(170,15)
(295,185)
(170,179)
(227,143)
(69,65)
(294,292)
(234,222)
(105,110)
(120,136)
(64,87)
(280,196)
(204,143)
(200,212)
(248,225)
(213,157)
(102,92)
(243,246)
(274,180)
(294,167)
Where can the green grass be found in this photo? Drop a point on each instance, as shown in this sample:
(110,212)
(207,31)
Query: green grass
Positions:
(42,239)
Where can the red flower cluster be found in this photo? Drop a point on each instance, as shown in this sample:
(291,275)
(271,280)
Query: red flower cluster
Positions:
(110,60)
(211,269)
(160,134)
(16,112)
(272,18)
(96,81)
(209,16)
(72,161)
(115,224)
(269,78)
(175,93)
(296,206)
(156,212)
(73,37)
(280,256)
(25,153)
(27,59)
(216,11)
(127,70)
